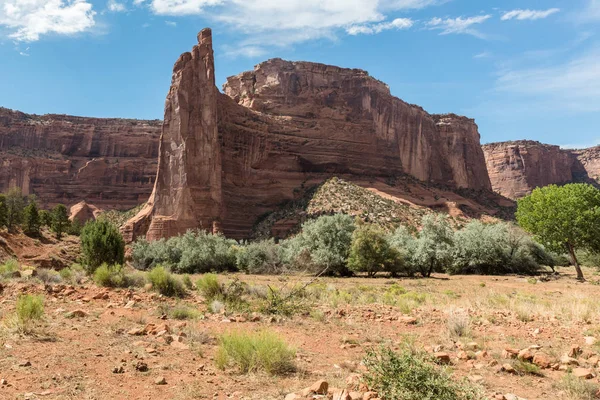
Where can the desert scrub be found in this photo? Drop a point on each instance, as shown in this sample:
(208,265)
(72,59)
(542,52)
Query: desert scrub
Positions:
(576,388)
(111,276)
(261,351)
(9,268)
(411,375)
(459,324)
(29,308)
(208,285)
(165,283)
(182,312)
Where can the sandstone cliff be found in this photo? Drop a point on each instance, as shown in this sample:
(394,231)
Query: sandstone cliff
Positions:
(516,168)
(226,159)
(110,163)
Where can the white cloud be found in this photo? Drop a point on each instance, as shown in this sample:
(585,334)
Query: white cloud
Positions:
(284,22)
(529,14)
(27,20)
(483,54)
(171,23)
(115,6)
(590,13)
(573,85)
(458,25)
(398,23)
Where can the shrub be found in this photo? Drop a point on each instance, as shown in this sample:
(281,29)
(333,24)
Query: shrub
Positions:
(165,283)
(184,312)
(101,243)
(409,375)
(577,388)
(496,249)
(187,282)
(31,219)
(111,276)
(370,252)
(60,220)
(46,218)
(48,276)
(255,352)
(259,258)
(193,252)
(75,228)
(208,285)
(9,268)
(29,308)
(322,244)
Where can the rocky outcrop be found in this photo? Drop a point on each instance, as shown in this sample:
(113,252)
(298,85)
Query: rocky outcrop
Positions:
(83,212)
(227,159)
(110,163)
(516,168)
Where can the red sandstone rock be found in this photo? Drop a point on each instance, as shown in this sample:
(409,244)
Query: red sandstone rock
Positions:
(83,212)
(516,168)
(227,159)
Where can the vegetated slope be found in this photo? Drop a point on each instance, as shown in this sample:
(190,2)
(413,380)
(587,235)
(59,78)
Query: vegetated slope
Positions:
(403,202)
(44,251)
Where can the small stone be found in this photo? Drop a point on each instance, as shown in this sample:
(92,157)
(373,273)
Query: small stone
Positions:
(160,381)
(141,366)
(575,351)
(566,360)
(476,378)
(25,363)
(508,369)
(408,320)
(118,370)
(319,387)
(136,332)
(473,346)
(341,395)
(584,373)
(130,304)
(77,314)
(510,353)
(369,396)
(590,340)
(525,355)
(443,358)
(542,360)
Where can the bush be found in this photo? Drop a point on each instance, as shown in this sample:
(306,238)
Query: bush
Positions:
(29,308)
(193,252)
(496,249)
(48,276)
(183,312)
(259,258)
(370,252)
(111,276)
(255,352)
(45,218)
(208,285)
(409,375)
(322,244)
(3,211)
(165,283)
(9,268)
(101,243)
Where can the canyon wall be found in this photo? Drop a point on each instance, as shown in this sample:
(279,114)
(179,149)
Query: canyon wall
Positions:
(227,159)
(110,163)
(516,168)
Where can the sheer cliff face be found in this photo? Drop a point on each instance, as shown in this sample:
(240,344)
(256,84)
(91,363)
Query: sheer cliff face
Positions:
(516,168)
(226,159)
(376,132)
(62,159)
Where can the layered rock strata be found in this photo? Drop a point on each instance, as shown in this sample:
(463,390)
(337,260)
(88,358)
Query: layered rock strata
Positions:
(226,159)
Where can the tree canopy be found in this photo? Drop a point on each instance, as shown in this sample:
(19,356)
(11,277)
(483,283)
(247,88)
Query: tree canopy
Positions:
(563,218)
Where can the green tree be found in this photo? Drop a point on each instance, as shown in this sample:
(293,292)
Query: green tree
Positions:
(563,218)
(31,219)
(60,220)
(101,243)
(14,208)
(3,211)
(370,252)
(432,250)
(46,218)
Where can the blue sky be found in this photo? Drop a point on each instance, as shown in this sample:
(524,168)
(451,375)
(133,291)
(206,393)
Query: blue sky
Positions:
(524,69)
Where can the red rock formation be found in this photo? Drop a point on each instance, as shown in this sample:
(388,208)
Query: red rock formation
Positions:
(227,159)
(516,168)
(63,159)
(83,212)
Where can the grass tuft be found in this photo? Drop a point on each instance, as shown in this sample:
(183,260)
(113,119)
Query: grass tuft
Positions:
(165,283)
(261,351)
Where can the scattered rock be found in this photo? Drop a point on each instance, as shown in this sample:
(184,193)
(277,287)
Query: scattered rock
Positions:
(525,355)
(508,369)
(542,360)
(141,366)
(25,363)
(590,340)
(118,370)
(566,360)
(319,387)
(442,357)
(510,353)
(408,320)
(136,332)
(341,395)
(584,373)
(160,381)
(77,314)
(574,351)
